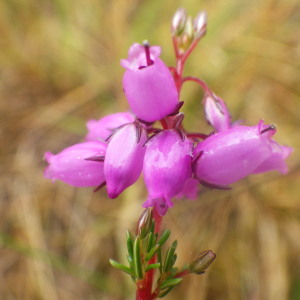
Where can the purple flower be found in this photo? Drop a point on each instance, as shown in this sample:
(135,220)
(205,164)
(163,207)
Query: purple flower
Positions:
(216,112)
(148,84)
(167,166)
(232,154)
(71,165)
(103,128)
(124,158)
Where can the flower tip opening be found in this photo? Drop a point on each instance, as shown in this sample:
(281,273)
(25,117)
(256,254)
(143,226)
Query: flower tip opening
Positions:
(161,204)
(113,193)
(47,156)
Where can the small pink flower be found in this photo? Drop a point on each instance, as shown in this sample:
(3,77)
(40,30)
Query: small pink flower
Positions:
(167,166)
(148,84)
(72,167)
(124,158)
(103,128)
(216,112)
(233,154)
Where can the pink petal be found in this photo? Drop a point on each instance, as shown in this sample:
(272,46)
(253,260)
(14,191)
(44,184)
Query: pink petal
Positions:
(124,158)
(71,166)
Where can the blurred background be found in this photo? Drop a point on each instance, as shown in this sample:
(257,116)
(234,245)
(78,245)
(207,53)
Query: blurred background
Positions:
(60,66)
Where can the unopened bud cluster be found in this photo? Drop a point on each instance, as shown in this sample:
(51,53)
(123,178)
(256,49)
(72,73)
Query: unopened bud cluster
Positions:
(150,138)
(186,30)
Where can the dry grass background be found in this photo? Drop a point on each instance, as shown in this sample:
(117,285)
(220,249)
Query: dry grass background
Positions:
(60,66)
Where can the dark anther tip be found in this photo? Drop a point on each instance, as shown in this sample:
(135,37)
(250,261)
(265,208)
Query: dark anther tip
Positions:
(146,43)
(271,127)
(177,108)
(99,158)
(181,134)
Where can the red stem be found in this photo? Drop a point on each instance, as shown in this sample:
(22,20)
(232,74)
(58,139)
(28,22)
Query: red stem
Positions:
(199,81)
(181,60)
(158,220)
(164,124)
(144,286)
(175,45)
(189,51)
(183,273)
(197,135)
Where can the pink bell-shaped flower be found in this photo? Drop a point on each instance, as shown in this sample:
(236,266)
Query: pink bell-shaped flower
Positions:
(167,166)
(232,154)
(124,158)
(216,112)
(148,84)
(78,165)
(103,128)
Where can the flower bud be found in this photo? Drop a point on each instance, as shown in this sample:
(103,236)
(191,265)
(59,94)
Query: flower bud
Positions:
(103,128)
(178,21)
(148,84)
(189,29)
(167,166)
(144,223)
(216,112)
(202,261)
(73,167)
(124,158)
(200,23)
(233,154)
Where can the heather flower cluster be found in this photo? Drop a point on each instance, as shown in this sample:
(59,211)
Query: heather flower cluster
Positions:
(150,138)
